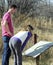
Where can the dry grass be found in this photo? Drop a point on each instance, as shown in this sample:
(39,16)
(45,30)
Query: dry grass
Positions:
(27,61)
(0,61)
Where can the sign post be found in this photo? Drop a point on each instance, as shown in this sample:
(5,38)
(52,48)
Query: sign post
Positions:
(35,41)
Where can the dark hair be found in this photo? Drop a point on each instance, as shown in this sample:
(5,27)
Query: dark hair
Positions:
(13,6)
(30,27)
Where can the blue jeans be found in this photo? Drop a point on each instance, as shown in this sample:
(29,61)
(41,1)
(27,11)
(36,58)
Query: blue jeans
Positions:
(6,50)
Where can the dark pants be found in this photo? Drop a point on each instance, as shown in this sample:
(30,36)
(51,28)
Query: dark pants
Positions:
(6,50)
(15,46)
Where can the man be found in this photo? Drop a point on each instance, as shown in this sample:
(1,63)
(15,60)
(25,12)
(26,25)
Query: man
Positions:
(7,33)
(19,42)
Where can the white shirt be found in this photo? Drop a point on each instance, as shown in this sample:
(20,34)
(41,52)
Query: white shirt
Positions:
(22,35)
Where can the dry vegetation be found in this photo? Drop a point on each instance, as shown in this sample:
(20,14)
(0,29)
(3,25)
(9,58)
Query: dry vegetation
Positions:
(43,26)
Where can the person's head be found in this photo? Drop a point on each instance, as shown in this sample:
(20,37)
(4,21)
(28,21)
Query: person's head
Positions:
(27,28)
(13,8)
(30,28)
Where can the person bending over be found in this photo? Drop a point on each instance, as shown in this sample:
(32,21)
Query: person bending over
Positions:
(18,42)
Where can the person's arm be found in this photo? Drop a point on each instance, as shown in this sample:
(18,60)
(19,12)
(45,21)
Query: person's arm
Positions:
(28,37)
(6,26)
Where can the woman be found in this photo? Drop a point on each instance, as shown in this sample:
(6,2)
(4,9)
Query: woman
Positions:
(18,42)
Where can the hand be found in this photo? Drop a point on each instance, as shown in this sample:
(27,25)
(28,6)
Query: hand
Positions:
(10,33)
